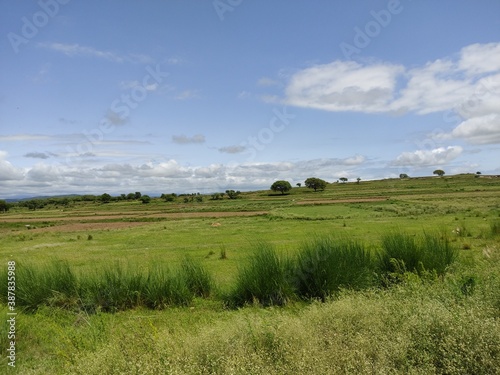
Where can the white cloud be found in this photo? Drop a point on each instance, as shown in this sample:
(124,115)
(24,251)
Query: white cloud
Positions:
(344,86)
(154,177)
(437,86)
(480,58)
(422,158)
(7,171)
(479,130)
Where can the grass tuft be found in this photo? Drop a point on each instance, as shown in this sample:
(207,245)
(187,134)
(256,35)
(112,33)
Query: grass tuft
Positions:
(264,280)
(403,253)
(198,279)
(324,265)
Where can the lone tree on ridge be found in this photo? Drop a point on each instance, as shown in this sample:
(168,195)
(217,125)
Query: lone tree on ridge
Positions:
(439,172)
(315,183)
(282,186)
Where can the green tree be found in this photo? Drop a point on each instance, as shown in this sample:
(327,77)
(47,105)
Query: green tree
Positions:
(105,198)
(138,195)
(298,184)
(281,186)
(4,206)
(439,172)
(217,196)
(145,199)
(169,197)
(403,175)
(130,196)
(358,180)
(233,194)
(315,183)
(344,179)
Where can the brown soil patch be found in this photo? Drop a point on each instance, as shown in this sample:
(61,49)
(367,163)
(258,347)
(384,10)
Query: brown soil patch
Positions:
(335,201)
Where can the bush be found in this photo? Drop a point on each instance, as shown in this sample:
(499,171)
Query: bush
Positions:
(325,264)
(264,280)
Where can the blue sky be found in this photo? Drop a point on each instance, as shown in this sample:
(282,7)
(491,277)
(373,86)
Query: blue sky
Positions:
(203,96)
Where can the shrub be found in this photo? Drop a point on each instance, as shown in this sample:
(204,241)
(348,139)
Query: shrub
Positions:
(264,280)
(325,264)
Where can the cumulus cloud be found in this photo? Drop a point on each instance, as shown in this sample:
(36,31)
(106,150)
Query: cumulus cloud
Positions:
(479,130)
(7,171)
(383,87)
(466,86)
(480,58)
(344,86)
(45,178)
(422,158)
(184,140)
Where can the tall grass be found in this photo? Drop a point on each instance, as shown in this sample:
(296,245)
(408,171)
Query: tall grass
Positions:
(165,287)
(403,252)
(199,280)
(322,267)
(111,288)
(51,283)
(326,264)
(264,280)
(495,229)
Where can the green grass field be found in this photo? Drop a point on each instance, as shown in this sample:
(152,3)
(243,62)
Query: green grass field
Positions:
(419,323)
